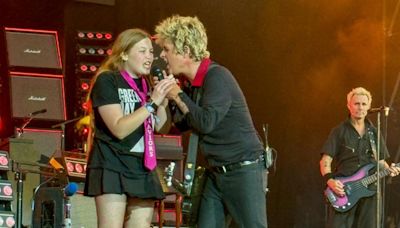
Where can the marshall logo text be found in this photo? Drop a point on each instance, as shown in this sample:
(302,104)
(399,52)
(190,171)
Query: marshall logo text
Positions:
(33,98)
(30,51)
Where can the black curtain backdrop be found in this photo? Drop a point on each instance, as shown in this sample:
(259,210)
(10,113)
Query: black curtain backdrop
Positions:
(295,61)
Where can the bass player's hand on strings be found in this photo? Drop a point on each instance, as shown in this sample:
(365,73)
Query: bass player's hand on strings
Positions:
(336,186)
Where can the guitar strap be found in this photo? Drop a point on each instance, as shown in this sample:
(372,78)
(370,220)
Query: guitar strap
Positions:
(193,143)
(372,142)
(190,165)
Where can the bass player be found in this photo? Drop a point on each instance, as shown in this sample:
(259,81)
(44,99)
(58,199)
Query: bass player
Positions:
(350,147)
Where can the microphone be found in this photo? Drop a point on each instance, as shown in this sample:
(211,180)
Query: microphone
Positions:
(157,72)
(378,109)
(70,189)
(37,112)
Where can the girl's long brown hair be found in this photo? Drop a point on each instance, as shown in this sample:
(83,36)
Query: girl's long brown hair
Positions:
(124,42)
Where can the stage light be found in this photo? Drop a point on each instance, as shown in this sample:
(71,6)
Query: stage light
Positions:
(90,35)
(85,131)
(83,67)
(88,67)
(6,191)
(85,106)
(99,35)
(6,219)
(109,51)
(4,160)
(94,35)
(93,68)
(78,167)
(84,86)
(75,164)
(108,36)
(86,50)
(91,51)
(100,51)
(81,35)
(82,50)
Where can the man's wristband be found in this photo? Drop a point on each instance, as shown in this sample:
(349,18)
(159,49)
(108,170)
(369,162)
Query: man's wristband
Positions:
(328,176)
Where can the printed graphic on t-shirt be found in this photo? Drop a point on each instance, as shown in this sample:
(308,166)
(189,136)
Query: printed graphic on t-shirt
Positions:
(130,101)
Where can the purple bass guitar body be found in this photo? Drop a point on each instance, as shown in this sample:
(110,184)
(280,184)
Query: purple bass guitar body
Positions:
(355,187)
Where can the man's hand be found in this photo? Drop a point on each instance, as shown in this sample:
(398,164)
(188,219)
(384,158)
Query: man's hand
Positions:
(394,170)
(336,186)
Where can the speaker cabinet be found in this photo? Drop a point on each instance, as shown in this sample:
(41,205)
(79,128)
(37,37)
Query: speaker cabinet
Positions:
(26,151)
(30,93)
(33,48)
(45,141)
(48,211)
(50,207)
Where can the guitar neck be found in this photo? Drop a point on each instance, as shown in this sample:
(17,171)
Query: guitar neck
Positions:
(374,177)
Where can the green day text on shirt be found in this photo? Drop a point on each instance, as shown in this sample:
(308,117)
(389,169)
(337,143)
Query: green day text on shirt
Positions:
(128,99)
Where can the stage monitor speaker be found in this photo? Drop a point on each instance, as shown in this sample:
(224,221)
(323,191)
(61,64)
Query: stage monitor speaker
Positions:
(33,93)
(33,48)
(49,209)
(31,147)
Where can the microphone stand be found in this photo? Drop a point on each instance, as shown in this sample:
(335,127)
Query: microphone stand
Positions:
(67,210)
(380,198)
(62,125)
(20,175)
(378,190)
(20,131)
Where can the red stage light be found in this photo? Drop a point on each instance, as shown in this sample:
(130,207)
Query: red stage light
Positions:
(108,36)
(78,168)
(109,51)
(70,167)
(99,35)
(90,35)
(76,165)
(93,68)
(3,161)
(85,105)
(83,67)
(84,86)
(7,190)
(85,131)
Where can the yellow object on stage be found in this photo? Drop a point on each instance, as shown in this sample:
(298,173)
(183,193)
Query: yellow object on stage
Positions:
(84,121)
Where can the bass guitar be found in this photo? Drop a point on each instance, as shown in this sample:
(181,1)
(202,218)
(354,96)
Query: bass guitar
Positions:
(355,188)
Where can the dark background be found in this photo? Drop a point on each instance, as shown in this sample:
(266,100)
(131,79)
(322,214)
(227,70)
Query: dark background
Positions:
(295,61)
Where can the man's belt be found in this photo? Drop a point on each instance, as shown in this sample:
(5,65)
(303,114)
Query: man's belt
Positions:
(235,166)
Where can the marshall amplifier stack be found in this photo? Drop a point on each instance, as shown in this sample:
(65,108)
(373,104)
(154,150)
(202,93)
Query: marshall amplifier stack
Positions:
(36,74)
(37,101)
